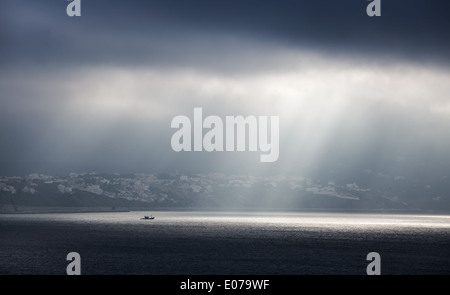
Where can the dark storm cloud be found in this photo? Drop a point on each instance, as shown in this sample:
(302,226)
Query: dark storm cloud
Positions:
(201,32)
(97,92)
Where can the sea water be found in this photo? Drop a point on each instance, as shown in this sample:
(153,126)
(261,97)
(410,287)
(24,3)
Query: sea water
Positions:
(224,243)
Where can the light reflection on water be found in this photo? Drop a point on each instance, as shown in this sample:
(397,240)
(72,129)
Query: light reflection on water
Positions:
(224,242)
(258,219)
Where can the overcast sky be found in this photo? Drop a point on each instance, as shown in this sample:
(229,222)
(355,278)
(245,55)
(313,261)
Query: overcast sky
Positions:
(98,92)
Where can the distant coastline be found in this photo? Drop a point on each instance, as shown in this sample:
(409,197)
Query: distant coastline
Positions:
(44,210)
(39,210)
(212,191)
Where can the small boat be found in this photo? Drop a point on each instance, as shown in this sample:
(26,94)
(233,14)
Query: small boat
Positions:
(146,217)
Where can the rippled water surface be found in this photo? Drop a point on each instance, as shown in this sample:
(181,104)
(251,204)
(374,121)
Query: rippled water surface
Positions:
(224,243)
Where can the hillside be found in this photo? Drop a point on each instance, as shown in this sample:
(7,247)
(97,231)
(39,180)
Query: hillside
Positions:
(220,191)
